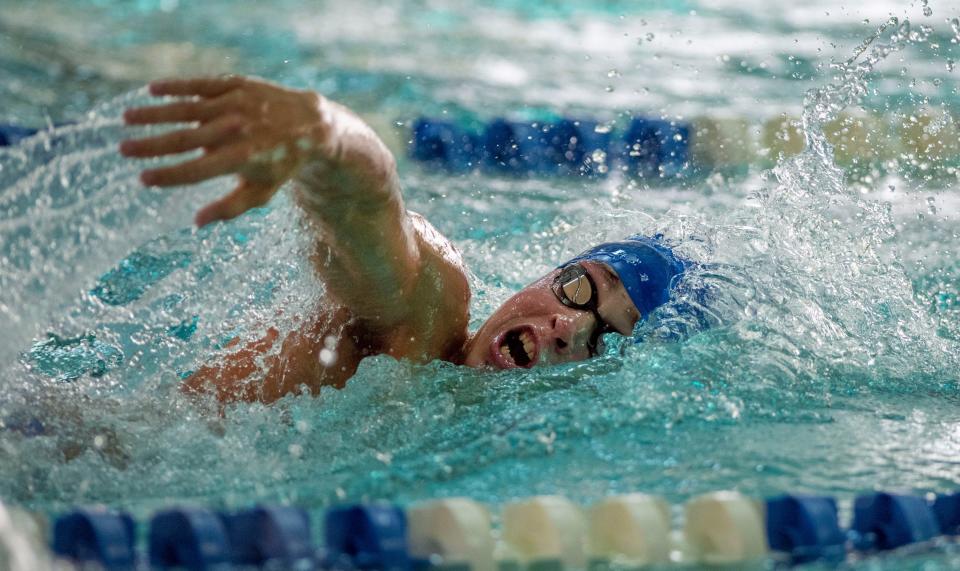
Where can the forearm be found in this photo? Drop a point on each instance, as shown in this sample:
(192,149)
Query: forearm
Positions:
(368,253)
(345,177)
(347,167)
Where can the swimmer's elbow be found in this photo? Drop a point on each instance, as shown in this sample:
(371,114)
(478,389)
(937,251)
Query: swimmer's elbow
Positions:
(352,168)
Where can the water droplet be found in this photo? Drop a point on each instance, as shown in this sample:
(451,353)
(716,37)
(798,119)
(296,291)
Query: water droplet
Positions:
(608,89)
(295,450)
(931,205)
(927,10)
(603,128)
(327,357)
(613,73)
(650,36)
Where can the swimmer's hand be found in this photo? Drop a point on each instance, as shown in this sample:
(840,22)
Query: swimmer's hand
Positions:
(260,132)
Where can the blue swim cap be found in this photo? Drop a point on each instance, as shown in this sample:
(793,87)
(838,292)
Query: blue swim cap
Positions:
(646,266)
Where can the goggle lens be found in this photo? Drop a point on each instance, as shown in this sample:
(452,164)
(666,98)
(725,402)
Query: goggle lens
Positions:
(578,291)
(574,288)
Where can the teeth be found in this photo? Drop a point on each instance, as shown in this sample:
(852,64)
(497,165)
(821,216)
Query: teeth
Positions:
(527,341)
(506,352)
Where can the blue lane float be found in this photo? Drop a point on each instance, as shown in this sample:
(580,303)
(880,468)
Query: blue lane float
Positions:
(565,148)
(271,535)
(946,508)
(805,527)
(656,148)
(96,536)
(444,145)
(188,538)
(367,537)
(885,521)
(649,148)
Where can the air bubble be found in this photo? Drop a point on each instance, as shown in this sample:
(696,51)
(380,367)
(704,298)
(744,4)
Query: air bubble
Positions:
(327,357)
(603,128)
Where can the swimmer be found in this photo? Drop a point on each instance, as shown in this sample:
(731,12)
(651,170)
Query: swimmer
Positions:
(398,286)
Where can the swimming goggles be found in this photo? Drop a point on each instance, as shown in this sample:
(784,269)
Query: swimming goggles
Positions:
(574,287)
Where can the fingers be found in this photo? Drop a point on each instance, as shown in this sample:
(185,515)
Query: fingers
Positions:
(241,199)
(212,134)
(202,87)
(224,161)
(180,111)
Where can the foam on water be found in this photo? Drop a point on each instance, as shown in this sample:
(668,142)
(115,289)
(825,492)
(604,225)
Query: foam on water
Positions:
(820,370)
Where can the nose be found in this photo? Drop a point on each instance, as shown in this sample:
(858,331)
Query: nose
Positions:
(568,334)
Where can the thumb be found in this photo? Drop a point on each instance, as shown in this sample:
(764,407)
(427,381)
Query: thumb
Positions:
(245,196)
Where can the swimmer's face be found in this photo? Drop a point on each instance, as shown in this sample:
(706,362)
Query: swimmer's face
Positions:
(534,327)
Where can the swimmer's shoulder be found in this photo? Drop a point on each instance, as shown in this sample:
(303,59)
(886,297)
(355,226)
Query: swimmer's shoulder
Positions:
(434,241)
(443,290)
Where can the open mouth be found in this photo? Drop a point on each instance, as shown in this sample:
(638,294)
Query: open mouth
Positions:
(517,348)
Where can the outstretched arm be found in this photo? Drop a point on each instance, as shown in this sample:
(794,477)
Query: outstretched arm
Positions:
(370,252)
(390,269)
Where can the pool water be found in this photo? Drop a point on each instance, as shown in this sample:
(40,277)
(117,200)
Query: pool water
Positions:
(830,364)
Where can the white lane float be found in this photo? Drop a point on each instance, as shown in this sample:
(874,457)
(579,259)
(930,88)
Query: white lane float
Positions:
(546,528)
(723,528)
(23,545)
(453,531)
(631,530)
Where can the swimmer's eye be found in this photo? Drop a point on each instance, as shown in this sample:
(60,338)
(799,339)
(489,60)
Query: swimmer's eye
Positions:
(574,288)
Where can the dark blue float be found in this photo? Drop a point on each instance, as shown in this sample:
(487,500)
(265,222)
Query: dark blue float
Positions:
(271,535)
(805,527)
(96,536)
(189,538)
(367,537)
(887,521)
(649,148)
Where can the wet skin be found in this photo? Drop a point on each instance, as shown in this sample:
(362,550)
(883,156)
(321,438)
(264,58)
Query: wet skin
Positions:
(395,285)
(547,330)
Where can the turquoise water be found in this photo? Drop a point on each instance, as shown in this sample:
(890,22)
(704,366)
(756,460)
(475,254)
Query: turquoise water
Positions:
(831,365)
